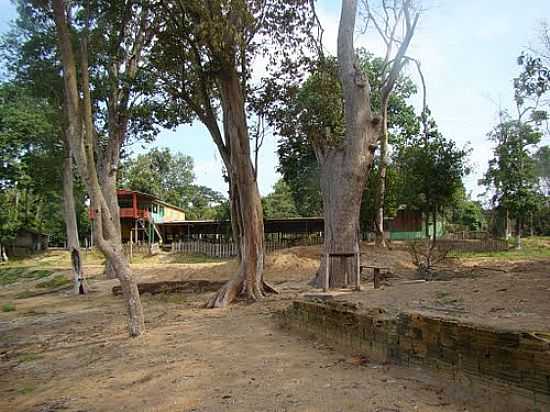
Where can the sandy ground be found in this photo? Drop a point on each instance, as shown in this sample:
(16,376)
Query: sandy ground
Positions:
(63,352)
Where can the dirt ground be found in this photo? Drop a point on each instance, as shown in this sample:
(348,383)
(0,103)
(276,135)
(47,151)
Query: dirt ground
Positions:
(63,352)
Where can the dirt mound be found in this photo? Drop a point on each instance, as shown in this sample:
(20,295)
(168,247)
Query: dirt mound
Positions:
(296,263)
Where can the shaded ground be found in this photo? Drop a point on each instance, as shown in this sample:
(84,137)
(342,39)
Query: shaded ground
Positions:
(63,352)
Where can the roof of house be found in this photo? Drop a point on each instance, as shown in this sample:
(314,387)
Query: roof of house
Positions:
(149,196)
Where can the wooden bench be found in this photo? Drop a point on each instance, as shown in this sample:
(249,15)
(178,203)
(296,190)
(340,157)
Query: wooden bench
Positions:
(377,271)
(353,255)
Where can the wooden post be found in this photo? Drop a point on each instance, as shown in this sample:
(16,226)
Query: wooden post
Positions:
(327,273)
(358,271)
(131,251)
(377,278)
(345,267)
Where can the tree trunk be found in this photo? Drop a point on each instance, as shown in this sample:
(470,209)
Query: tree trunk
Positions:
(341,191)
(518,233)
(434,234)
(73,244)
(248,282)
(381,187)
(81,136)
(345,166)
(130,292)
(507,231)
(235,214)
(3,254)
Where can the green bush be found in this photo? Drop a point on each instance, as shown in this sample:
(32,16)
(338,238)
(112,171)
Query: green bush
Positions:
(8,307)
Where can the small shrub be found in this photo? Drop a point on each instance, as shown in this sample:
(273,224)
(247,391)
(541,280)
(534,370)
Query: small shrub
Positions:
(425,255)
(8,307)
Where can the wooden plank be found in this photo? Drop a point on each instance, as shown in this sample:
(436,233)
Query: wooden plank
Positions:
(327,273)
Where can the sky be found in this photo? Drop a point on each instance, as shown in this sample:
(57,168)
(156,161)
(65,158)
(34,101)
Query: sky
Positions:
(467,50)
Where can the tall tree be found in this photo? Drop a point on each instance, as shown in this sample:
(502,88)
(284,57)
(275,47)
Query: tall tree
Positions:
(542,159)
(98,172)
(205,56)
(431,169)
(512,170)
(345,162)
(314,107)
(29,51)
(161,173)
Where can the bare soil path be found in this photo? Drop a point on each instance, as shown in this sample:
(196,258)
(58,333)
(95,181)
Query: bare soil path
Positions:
(61,352)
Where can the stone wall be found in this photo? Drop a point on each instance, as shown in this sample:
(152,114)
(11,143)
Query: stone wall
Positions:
(510,369)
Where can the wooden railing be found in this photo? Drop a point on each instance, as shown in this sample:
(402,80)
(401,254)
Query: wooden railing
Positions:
(127,212)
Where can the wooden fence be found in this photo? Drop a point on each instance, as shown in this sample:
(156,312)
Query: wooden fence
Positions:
(474,245)
(468,235)
(223,249)
(140,248)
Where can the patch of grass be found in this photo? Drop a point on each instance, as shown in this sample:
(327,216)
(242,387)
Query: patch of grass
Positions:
(57,258)
(8,307)
(9,275)
(25,294)
(27,357)
(532,247)
(25,390)
(55,282)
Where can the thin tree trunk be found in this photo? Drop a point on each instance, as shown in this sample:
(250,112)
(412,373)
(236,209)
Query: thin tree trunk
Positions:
(236,221)
(3,253)
(507,225)
(73,244)
(434,234)
(518,233)
(381,186)
(248,282)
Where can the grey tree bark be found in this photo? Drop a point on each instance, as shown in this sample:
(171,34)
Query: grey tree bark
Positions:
(81,135)
(345,167)
(380,199)
(71,227)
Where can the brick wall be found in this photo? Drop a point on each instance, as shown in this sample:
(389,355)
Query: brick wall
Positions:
(513,367)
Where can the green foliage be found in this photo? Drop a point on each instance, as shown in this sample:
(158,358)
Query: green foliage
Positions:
(279,203)
(8,307)
(542,159)
(467,214)
(430,169)
(512,171)
(312,114)
(29,146)
(160,173)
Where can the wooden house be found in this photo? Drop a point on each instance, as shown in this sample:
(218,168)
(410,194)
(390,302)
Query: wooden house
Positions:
(409,224)
(141,215)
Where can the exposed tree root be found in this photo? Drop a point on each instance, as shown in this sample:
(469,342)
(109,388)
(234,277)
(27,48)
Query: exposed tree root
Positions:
(268,288)
(238,288)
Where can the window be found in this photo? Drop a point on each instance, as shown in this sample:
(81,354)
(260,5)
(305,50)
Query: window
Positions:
(155,208)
